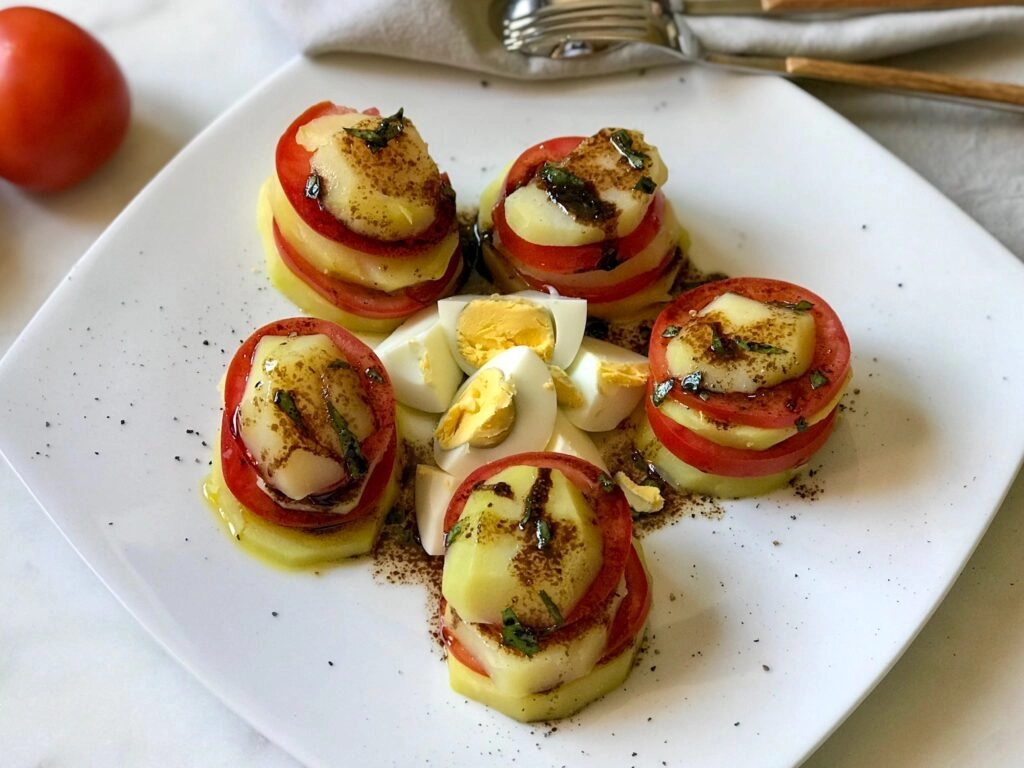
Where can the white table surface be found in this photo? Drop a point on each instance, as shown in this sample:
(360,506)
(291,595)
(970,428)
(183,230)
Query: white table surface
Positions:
(81,684)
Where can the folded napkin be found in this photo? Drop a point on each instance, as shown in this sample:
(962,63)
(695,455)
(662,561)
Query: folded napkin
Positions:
(461,33)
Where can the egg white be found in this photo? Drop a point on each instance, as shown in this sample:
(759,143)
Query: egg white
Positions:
(419,361)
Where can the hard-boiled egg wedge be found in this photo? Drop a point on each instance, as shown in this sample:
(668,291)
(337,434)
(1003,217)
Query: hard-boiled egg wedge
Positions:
(479,327)
(422,369)
(434,489)
(605,383)
(506,407)
(568,438)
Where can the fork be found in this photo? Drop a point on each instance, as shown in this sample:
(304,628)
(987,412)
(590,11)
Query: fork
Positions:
(561,29)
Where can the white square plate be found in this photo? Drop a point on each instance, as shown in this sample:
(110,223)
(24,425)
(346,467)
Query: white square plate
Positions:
(770,621)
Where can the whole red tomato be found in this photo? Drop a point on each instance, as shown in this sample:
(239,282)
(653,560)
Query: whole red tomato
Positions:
(65,103)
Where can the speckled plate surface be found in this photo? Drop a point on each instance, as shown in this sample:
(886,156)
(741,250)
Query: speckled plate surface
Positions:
(772,618)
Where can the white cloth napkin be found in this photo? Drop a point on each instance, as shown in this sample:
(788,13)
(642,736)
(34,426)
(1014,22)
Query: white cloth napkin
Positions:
(460,33)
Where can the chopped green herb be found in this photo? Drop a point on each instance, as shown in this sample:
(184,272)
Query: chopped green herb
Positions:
(556,174)
(800,306)
(622,140)
(721,345)
(818,379)
(374,375)
(661,390)
(452,534)
(336,364)
(801,424)
(543,533)
(517,636)
(757,346)
(355,461)
(285,400)
(576,196)
(646,185)
(692,381)
(671,331)
(314,186)
(605,481)
(387,129)
(556,615)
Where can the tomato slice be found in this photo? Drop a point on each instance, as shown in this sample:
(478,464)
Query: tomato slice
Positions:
(293,169)
(627,623)
(566,259)
(600,294)
(716,459)
(633,610)
(783,405)
(614,517)
(572,259)
(241,472)
(360,300)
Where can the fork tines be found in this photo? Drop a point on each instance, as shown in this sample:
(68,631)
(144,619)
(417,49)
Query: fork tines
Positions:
(596,20)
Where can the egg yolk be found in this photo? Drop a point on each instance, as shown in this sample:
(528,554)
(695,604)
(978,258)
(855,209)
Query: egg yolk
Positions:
(482,416)
(491,325)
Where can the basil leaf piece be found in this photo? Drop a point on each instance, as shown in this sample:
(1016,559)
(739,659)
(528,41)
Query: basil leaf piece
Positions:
(355,462)
(285,401)
(622,140)
(801,424)
(671,331)
(607,483)
(517,636)
(800,306)
(646,185)
(692,382)
(757,346)
(721,346)
(818,379)
(661,390)
(556,615)
(374,375)
(452,534)
(543,531)
(387,129)
(314,186)
(578,197)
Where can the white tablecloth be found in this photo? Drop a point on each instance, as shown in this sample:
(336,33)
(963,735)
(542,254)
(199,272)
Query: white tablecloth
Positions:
(81,684)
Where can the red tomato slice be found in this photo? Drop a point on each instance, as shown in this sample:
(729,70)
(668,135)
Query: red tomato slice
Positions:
(573,259)
(293,169)
(717,459)
(600,294)
(241,472)
(780,406)
(368,302)
(627,623)
(456,648)
(633,610)
(566,259)
(614,516)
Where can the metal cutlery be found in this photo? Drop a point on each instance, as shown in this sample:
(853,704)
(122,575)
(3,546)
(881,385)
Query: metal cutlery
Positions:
(561,29)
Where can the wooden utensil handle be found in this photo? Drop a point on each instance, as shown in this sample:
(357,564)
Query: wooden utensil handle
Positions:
(908,81)
(795,6)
